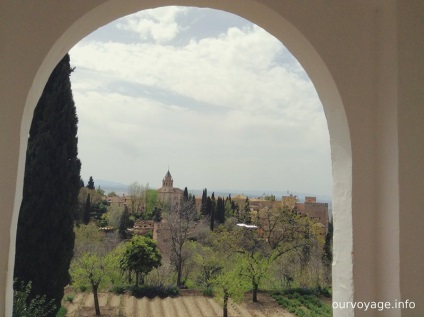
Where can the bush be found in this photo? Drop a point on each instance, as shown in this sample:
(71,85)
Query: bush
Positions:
(36,307)
(62,312)
(83,288)
(118,290)
(208,292)
(154,291)
(69,298)
(303,302)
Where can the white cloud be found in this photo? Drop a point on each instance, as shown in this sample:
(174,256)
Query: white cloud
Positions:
(225,103)
(157,24)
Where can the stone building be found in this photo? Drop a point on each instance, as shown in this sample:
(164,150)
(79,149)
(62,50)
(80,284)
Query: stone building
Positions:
(169,195)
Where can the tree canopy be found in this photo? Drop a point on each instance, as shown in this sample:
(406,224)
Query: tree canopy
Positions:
(140,256)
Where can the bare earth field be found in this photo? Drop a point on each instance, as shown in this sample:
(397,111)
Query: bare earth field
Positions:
(188,304)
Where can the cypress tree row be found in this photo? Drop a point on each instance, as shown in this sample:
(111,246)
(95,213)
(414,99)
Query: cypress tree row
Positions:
(45,237)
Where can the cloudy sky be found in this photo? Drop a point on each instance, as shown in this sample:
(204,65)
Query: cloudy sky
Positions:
(209,94)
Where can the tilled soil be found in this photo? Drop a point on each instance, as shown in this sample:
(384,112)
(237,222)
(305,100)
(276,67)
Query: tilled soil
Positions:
(188,304)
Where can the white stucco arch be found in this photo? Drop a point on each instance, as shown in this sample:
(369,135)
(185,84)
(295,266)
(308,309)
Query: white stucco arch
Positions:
(360,56)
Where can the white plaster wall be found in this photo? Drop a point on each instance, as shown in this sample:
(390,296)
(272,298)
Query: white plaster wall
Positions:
(365,59)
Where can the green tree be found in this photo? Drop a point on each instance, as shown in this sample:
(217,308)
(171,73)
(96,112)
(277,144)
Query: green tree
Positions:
(204,206)
(229,284)
(90,183)
(327,256)
(220,210)
(88,238)
(208,265)
(141,256)
(245,212)
(114,215)
(100,191)
(124,223)
(281,231)
(87,210)
(45,237)
(95,270)
(151,203)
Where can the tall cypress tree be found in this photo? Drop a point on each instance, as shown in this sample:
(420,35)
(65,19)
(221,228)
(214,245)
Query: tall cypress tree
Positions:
(220,210)
(204,208)
(87,210)
(45,237)
(185,194)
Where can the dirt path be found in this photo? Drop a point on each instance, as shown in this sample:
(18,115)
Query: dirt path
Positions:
(188,305)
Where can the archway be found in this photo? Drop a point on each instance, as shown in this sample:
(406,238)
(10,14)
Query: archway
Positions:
(282,28)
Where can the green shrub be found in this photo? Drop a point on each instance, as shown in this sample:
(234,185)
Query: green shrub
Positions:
(61,312)
(303,302)
(69,298)
(208,292)
(36,307)
(154,291)
(118,289)
(83,288)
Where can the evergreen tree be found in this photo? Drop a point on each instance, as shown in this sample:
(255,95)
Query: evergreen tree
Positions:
(45,236)
(220,210)
(204,206)
(327,256)
(90,184)
(87,210)
(185,194)
(212,212)
(81,183)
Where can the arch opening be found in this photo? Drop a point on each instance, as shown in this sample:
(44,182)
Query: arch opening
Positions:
(309,58)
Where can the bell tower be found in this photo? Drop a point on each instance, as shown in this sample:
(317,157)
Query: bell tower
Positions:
(167,181)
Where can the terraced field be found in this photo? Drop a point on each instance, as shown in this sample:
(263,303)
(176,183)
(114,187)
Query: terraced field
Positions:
(187,305)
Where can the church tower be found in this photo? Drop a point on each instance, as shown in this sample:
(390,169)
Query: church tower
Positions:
(167,181)
(168,194)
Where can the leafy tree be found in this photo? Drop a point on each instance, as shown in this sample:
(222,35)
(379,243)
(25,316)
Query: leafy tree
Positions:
(229,284)
(209,265)
(151,203)
(95,270)
(45,237)
(88,239)
(90,184)
(282,231)
(141,256)
(24,307)
(114,215)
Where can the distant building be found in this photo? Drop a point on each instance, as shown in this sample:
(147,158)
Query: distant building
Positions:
(168,194)
(316,211)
